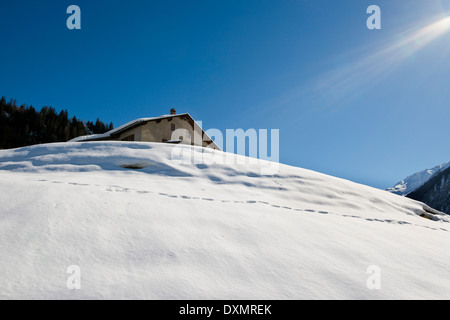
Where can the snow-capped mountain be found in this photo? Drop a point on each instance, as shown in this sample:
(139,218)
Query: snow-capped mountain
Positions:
(416,180)
(431,186)
(435,192)
(138,221)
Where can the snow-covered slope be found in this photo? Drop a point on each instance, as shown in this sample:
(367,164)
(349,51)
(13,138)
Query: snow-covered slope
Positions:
(174,230)
(416,180)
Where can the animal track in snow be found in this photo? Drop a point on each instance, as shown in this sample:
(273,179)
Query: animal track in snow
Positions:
(115,188)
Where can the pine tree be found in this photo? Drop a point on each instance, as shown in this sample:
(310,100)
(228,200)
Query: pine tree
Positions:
(24,125)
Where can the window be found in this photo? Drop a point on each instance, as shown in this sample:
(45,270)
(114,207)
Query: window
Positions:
(129,138)
(172,126)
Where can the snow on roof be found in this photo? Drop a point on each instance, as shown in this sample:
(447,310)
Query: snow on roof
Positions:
(122,127)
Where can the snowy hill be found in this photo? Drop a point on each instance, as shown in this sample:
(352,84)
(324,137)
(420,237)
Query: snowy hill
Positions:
(141,224)
(416,180)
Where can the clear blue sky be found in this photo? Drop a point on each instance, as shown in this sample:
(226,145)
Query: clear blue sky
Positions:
(372,106)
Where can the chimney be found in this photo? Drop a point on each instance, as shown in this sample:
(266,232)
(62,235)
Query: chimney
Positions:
(173,111)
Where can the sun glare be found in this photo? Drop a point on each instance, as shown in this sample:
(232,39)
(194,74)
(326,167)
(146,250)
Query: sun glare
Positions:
(343,82)
(416,40)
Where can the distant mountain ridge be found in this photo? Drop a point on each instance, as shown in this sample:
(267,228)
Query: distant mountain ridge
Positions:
(416,180)
(431,186)
(435,192)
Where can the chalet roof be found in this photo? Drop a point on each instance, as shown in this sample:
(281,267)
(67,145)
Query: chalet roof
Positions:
(127,126)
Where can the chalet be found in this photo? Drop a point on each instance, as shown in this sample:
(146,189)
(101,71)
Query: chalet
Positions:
(173,128)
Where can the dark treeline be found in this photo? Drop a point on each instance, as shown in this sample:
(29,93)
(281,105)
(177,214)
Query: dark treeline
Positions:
(24,125)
